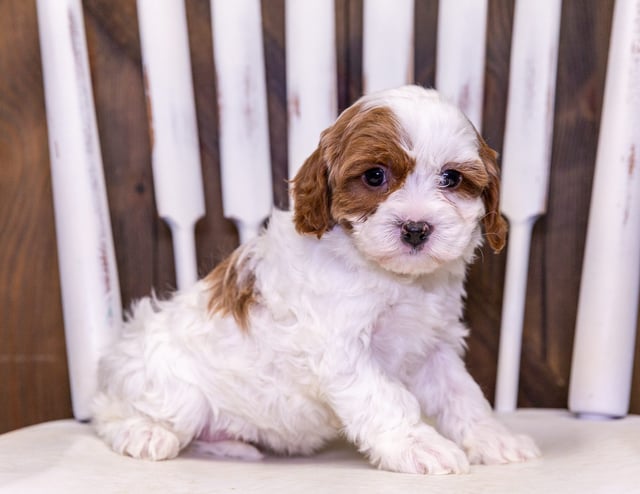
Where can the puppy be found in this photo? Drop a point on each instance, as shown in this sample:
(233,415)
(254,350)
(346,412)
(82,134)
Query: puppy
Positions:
(342,318)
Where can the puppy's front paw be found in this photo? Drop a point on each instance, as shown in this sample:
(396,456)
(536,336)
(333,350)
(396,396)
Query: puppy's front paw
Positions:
(421,450)
(490,443)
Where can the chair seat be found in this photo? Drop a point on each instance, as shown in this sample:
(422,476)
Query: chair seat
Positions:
(579,456)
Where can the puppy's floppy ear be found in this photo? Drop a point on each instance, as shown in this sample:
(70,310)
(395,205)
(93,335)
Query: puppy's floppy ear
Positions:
(313,183)
(495,226)
(312,196)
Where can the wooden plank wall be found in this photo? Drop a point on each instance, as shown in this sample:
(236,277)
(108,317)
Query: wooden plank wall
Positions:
(33,376)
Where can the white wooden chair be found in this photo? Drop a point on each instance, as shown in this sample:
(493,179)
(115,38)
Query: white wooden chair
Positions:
(580,455)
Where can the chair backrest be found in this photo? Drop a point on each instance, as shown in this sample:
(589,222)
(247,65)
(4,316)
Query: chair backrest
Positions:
(91,298)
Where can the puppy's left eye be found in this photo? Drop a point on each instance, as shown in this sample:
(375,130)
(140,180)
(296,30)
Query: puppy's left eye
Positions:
(450,179)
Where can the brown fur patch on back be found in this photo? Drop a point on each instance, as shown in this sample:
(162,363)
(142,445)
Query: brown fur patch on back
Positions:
(232,289)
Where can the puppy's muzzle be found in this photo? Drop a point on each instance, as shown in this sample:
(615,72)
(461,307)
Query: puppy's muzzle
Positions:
(415,233)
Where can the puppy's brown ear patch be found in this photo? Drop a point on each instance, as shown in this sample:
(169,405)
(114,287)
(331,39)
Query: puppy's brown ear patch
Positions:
(495,226)
(312,197)
(231,289)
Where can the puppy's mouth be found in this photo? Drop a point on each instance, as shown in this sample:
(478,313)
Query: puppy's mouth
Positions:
(413,251)
(412,261)
(407,247)
(408,253)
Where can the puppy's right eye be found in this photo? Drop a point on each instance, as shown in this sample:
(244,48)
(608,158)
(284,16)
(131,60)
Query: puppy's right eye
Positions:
(375,177)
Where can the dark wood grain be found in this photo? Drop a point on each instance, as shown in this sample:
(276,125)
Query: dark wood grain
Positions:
(33,373)
(143,243)
(557,248)
(425,36)
(486,276)
(34,385)
(216,236)
(274,48)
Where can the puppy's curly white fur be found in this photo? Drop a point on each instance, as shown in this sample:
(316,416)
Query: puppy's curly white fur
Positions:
(343,317)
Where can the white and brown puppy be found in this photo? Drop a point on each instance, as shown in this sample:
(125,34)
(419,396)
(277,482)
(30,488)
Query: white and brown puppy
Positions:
(342,318)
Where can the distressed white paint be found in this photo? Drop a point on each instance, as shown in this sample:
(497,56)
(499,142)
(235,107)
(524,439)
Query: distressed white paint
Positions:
(461,47)
(177,172)
(242,101)
(608,306)
(311,75)
(525,168)
(387,44)
(88,274)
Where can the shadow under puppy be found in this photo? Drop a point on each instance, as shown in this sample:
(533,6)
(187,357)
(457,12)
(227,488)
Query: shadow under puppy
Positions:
(342,318)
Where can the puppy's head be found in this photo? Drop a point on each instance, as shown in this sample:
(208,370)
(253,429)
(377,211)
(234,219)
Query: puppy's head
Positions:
(408,177)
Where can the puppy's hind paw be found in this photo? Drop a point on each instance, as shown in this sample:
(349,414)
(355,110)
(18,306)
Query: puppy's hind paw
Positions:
(148,441)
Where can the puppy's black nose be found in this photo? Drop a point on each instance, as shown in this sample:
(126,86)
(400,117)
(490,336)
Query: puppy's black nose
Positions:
(415,233)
